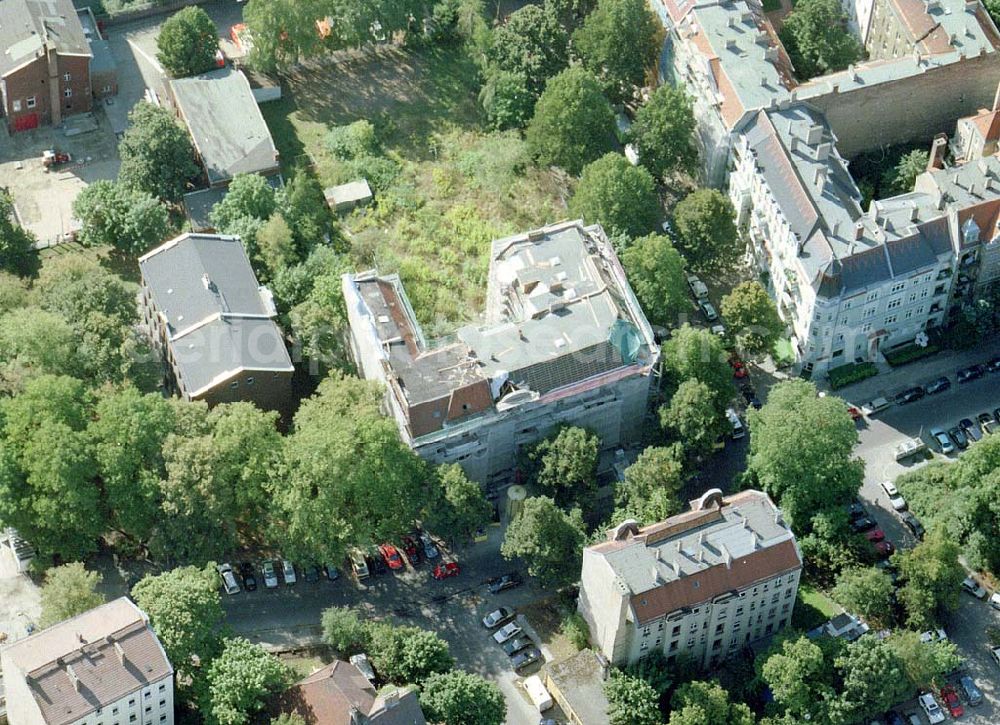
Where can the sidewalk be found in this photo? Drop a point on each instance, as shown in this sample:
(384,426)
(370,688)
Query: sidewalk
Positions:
(895,380)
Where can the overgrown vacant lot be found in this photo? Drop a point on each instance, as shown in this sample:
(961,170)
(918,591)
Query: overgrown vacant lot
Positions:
(457,187)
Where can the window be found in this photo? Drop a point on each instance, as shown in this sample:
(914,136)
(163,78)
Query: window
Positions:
(234,384)
(149,708)
(131,718)
(908,315)
(890,319)
(148,695)
(788,594)
(893,303)
(676,631)
(645,631)
(644,647)
(920,310)
(924,292)
(691,643)
(67,77)
(131,703)
(163,717)
(250,382)
(657,642)
(784,607)
(739,610)
(67,92)
(897,287)
(719,628)
(673,646)
(912,297)
(163,703)
(16,105)
(774,599)
(869,312)
(867,327)
(872,296)
(114,711)
(717,643)
(30,102)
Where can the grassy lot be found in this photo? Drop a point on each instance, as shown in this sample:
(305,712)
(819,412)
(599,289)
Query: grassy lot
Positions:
(812,608)
(305,662)
(546,617)
(458,186)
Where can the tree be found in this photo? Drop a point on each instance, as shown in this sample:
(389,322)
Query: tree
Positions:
(752,318)
(548,539)
(873,680)
(303,205)
(115,215)
(461,698)
(925,663)
(656,271)
(706,703)
(801,451)
(462,509)
(564,465)
(694,418)
(631,701)
(933,579)
(240,680)
(664,132)
(800,675)
(184,608)
(249,195)
(156,153)
(507,99)
(816,37)
(187,43)
(706,230)
(283,31)
(573,122)
(831,545)
(531,44)
(35,342)
(868,592)
(343,630)
(903,176)
(348,478)
(405,655)
(353,140)
(694,353)
(68,590)
(618,196)
(288,718)
(618,42)
(17,252)
(276,245)
(13,292)
(649,491)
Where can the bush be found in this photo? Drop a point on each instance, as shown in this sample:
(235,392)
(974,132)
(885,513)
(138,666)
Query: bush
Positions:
(353,140)
(851,373)
(909,353)
(575,629)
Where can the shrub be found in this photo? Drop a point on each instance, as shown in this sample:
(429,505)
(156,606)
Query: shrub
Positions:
(575,629)
(909,353)
(353,140)
(851,373)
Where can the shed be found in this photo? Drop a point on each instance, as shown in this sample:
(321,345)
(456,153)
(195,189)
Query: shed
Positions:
(577,684)
(347,196)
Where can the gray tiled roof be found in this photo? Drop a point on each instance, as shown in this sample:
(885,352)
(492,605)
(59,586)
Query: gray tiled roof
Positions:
(26,24)
(226,124)
(219,319)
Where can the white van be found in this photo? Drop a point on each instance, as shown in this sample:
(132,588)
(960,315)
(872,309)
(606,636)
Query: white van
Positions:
(537,692)
(228,579)
(995,600)
(734,420)
(359,565)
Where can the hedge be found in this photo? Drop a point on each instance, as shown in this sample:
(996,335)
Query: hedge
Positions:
(851,373)
(909,353)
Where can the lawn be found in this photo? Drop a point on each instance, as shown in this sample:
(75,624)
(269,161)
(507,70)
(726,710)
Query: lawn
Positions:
(457,185)
(812,608)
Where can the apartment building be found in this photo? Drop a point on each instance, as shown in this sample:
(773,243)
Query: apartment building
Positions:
(213,323)
(103,667)
(563,341)
(702,584)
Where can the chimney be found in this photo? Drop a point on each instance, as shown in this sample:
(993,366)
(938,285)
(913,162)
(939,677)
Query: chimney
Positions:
(206,281)
(726,556)
(81,638)
(72,677)
(732,46)
(753,540)
(819,178)
(815,135)
(938,147)
(793,145)
(120,651)
(914,213)
(823,151)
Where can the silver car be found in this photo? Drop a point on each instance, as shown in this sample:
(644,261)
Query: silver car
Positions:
(506,632)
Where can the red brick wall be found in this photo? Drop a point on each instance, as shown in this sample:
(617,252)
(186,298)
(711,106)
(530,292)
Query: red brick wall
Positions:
(32,81)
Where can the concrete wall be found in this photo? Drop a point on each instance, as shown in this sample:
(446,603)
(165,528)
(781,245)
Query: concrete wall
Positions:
(912,108)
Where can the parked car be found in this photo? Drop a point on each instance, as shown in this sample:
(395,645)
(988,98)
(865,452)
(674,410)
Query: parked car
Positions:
(312,573)
(884,549)
(228,579)
(973,372)
(390,556)
(913,524)
(331,572)
(943,441)
(938,386)
(862,524)
(430,549)
(738,366)
(445,570)
(896,499)
(971,586)
(498,617)
(973,695)
(412,552)
(934,635)
(995,654)
(995,600)
(959,437)
(359,565)
(911,395)
(971,430)
(270,575)
(876,405)
(525,658)
(931,709)
(738,430)
(288,571)
(246,573)
(364,666)
(894,718)
(501,583)
(513,646)
(950,699)
(856,510)
(708,310)
(750,396)
(698,288)
(376,563)
(508,631)
(875,535)
(987,424)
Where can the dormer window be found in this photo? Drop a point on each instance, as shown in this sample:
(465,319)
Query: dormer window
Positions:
(970,231)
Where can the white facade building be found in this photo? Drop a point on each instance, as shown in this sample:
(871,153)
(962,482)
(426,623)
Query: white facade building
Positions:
(703,584)
(102,667)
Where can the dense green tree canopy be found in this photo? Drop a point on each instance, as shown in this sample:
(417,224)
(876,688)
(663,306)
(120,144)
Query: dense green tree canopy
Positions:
(240,680)
(130,220)
(901,178)
(68,590)
(564,465)
(649,491)
(462,508)
(816,37)
(618,42)
(932,576)
(461,698)
(620,197)
(249,195)
(548,539)
(507,99)
(752,318)
(694,353)
(532,44)
(573,122)
(187,43)
(656,272)
(156,153)
(35,342)
(867,592)
(343,630)
(873,680)
(407,655)
(706,230)
(17,254)
(631,701)
(925,663)
(800,674)
(706,703)
(693,418)
(663,132)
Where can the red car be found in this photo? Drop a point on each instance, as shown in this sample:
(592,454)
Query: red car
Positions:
(951,701)
(884,549)
(392,558)
(739,368)
(875,535)
(412,553)
(855,413)
(443,571)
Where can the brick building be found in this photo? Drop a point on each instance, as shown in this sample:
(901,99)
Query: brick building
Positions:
(45,63)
